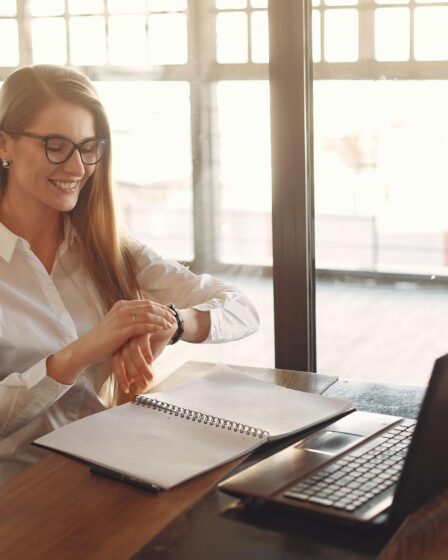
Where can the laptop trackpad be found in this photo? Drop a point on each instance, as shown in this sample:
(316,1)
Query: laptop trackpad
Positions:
(329,442)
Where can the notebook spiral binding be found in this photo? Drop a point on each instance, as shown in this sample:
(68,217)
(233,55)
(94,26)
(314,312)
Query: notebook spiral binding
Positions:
(199,417)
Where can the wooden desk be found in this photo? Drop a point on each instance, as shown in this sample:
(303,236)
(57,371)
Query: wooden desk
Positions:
(57,509)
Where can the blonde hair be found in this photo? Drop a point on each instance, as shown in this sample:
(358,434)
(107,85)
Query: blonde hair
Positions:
(105,253)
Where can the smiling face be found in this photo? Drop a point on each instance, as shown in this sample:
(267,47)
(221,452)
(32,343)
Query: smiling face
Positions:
(34,182)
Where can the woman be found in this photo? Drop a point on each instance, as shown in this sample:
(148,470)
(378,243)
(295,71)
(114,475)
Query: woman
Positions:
(83,307)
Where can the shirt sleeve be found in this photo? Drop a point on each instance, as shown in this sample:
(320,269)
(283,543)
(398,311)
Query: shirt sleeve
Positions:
(233,316)
(24,396)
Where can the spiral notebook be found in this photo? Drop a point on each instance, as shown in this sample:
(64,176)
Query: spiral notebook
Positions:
(162,439)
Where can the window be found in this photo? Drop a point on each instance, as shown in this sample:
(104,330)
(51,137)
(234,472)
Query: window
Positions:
(380,138)
(188,97)
(178,84)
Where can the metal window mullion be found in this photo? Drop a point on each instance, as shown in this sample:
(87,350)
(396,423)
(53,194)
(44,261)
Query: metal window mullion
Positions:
(67,32)
(249,35)
(292,186)
(106,30)
(322,31)
(24,27)
(374,70)
(201,36)
(366,16)
(412,31)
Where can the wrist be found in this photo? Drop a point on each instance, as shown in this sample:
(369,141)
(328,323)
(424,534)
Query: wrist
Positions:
(196,325)
(180,324)
(66,365)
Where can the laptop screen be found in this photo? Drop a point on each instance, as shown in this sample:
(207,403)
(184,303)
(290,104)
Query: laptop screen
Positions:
(425,472)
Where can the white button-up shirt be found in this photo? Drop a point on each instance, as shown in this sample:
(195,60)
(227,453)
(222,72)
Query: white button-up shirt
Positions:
(41,313)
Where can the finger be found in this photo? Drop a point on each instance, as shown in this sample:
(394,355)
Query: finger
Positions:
(139,329)
(139,359)
(135,363)
(145,347)
(143,306)
(153,318)
(119,371)
(131,368)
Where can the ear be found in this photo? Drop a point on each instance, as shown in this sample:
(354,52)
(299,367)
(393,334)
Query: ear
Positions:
(5,152)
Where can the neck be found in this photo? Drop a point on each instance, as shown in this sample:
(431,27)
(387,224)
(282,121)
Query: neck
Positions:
(42,228)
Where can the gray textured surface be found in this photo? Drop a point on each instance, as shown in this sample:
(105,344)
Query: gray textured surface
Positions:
(403,400)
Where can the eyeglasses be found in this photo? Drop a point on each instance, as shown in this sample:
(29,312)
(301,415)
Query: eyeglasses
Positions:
(59,149)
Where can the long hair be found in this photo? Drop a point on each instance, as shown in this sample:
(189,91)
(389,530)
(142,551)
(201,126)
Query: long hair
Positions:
(105,252)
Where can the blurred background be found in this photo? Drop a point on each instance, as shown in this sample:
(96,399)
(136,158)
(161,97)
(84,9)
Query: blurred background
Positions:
(185,84)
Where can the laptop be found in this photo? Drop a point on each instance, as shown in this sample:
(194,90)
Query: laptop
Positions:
(366,469)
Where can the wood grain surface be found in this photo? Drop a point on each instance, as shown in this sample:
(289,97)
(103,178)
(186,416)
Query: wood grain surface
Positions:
(58,509)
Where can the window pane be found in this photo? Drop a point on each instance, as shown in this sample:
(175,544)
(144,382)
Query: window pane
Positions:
(316,36)
(245,173)
(87,41)
(341,35)
(47,8)
(9,43)
(372,157)
(150,124)
(260,37)
(130,52)
(431,37)
(381,199)
(392,1)
(231,37)
(259,3)
(86,6)
(230,4)
(8,8)
(167,5)
(126,6)
(49,41)
(340,2)
(168,41)
(316,3)
(392,34)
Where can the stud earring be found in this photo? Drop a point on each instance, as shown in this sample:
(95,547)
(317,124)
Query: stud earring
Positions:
(5,164)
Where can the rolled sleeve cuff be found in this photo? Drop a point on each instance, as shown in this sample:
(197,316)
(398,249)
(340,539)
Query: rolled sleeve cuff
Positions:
(225,326)
(33,391)
(36,377)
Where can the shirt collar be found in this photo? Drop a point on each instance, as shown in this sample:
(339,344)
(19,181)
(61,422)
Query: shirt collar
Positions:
(9,240)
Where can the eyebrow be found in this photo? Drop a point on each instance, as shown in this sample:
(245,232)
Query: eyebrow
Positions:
(57,135)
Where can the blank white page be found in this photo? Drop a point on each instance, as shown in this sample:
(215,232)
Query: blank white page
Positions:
(149,445)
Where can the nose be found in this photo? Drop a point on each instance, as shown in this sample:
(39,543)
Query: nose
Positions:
(74,164)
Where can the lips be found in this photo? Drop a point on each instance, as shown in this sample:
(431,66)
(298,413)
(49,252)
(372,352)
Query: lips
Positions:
(66,185)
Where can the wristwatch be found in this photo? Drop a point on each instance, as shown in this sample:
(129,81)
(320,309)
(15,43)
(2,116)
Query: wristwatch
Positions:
(180,324)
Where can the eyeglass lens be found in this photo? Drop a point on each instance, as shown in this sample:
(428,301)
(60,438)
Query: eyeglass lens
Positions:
(59,150)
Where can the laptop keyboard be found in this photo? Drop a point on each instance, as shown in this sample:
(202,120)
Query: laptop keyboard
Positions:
(361,475)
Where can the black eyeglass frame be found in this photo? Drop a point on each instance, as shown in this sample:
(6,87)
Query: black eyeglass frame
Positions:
(45,140)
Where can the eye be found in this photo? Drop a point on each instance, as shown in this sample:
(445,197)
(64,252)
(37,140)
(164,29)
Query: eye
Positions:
(57,145)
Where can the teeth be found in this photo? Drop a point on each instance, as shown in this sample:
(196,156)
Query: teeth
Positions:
(66,186)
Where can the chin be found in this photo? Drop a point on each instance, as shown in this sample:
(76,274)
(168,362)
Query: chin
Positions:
(67,205)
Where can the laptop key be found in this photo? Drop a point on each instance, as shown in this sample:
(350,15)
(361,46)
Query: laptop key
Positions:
(321,501)
(296,495)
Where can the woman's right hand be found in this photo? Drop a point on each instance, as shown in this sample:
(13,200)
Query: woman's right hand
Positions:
(125,320)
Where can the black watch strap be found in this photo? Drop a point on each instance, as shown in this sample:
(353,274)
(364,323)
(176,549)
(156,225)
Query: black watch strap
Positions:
(180,324)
